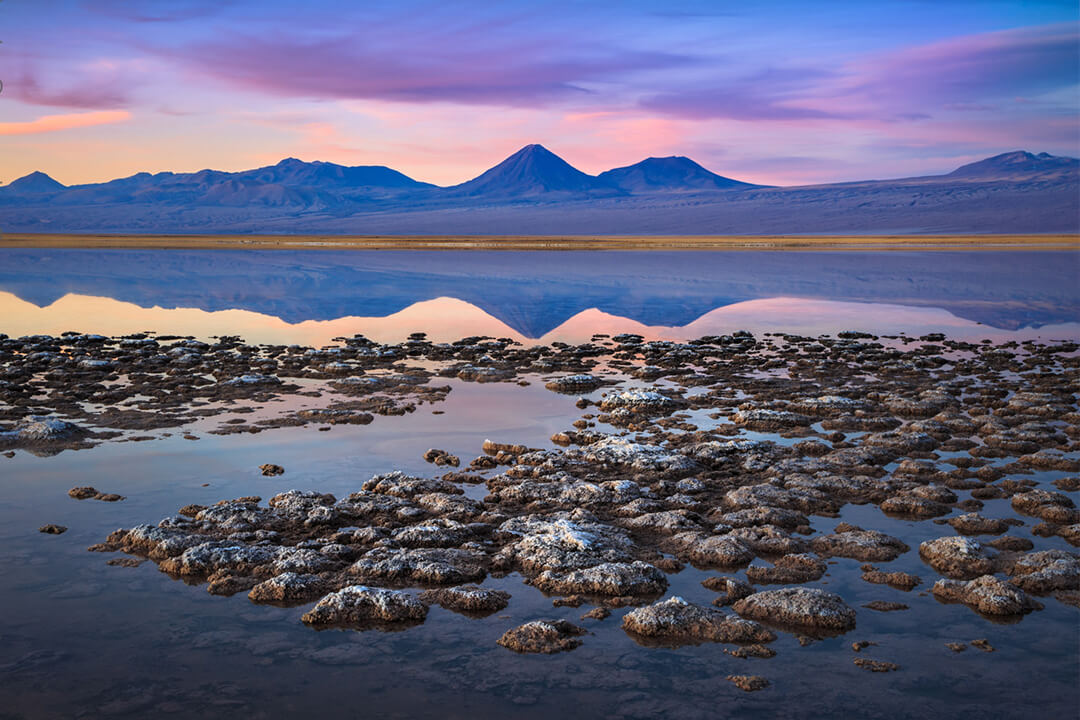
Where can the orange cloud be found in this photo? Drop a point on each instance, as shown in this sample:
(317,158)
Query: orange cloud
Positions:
(53,123)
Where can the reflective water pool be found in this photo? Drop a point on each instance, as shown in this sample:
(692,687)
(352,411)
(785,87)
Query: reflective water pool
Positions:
(84,639)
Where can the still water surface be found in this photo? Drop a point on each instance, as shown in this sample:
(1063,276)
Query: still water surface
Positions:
(82,639)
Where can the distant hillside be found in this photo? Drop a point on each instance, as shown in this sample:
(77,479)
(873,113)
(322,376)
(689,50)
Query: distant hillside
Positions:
(668,174)
(530,172)
(1019,165)
(35,183)
(535,192)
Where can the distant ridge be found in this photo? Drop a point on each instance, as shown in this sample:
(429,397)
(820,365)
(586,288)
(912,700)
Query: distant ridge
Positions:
(293,172)
(1019,165)
(535,192)
(668,174)
(35,182)
(532,170)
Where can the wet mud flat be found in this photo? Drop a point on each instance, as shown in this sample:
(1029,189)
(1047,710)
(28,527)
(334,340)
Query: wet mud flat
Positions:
(761,497)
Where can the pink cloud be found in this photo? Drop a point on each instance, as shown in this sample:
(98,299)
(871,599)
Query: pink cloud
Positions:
(55,123)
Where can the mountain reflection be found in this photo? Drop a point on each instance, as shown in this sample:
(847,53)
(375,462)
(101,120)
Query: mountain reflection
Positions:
(534,293)
(449,319)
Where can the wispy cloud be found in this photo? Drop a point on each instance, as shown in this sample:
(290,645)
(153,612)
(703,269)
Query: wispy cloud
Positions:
(774,94)
(55,123)
(960,74)
(467,67)
(92,93)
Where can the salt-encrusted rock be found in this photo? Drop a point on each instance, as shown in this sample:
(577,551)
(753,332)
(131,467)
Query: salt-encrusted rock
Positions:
(441,457)
(253,379)
(769,540)
(987,594)
(828,405)
(900,442)
(756,650)
(769,420)
(928,403)
(360,606)
(1068,483)
(1053,507)
(398,484)
(858,489)
(807,608)
(797,568)
(271,470)
(763,515)
(44,429)
(450,507)
(440,532)
(597,613)
(1046,571)
(494,448)
(542,636)
(639,400)
(676,621)
(227,583)
(975,524)
(1010,543)
(765,494)
(708,551)
(957,557)
(911,504)
(288,588)
(748,683)
(1049,459)
(574,383)
(876,665)
(210,557)
(896,579)
(885,606)
(667,522)
(430,566)
(295,505)
(217,556)
(560,544)
(570,494)
(155,542)
(853,542)
(467,599)
(715,454)
(621,453)
(620,579)
(730,589)
(52,529)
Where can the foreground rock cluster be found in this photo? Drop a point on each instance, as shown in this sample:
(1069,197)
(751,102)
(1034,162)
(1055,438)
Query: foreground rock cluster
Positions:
(731,453)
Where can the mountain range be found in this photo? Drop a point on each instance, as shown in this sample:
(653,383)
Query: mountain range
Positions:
(535,192)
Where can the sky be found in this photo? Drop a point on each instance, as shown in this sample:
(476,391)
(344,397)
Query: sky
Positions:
(775,91)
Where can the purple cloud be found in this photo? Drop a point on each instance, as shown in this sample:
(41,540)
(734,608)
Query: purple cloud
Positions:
(962,74)
(90,93)
(774,94)
(460,67)
(975,68)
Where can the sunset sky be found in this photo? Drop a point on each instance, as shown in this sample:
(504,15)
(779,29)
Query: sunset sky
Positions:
(772,92)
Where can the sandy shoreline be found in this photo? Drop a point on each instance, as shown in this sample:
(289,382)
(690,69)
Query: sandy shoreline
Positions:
(452,242)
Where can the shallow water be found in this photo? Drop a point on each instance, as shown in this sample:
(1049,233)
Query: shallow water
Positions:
(82,639)
(312,296)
